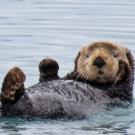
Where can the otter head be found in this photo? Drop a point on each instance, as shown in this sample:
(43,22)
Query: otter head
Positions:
(104,62)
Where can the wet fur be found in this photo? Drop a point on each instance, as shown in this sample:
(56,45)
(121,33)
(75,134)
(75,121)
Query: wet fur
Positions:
(48,69)
(13,85)
(122,86)
(72,97)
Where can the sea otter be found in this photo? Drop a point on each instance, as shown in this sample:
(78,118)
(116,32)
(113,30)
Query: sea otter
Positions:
(103,75)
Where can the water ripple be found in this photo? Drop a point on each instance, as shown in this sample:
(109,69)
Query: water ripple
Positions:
(31,30)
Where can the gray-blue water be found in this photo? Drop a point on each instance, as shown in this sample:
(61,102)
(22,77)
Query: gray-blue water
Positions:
(31,30)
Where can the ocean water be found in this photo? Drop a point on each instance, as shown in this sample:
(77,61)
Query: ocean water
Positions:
(31,30)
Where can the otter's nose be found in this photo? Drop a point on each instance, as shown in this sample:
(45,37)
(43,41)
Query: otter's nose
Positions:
(99,62)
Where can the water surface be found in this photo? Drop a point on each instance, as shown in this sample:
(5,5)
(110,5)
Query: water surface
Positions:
(31,30)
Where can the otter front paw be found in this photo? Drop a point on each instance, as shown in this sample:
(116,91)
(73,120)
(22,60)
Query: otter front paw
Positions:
(48,69)
(13,85)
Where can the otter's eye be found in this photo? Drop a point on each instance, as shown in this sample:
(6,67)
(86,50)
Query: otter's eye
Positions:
(86,55)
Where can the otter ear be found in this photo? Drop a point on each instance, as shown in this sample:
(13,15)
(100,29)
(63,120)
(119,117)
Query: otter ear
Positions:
(130,58)
(76,60)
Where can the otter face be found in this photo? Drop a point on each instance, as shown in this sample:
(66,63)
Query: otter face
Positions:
(102,62)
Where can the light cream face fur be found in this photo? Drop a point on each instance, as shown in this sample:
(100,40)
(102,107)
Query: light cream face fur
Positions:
(111,53)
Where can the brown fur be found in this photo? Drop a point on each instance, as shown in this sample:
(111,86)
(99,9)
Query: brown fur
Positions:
(13,85)
(48,69)
(65,98)
(119,63)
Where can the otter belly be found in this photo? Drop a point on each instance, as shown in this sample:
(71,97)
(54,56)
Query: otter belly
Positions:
(59,98)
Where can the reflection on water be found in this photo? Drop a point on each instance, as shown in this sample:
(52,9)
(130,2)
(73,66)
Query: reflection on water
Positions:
(31,30)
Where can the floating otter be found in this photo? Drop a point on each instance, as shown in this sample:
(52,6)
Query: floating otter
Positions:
(103,75)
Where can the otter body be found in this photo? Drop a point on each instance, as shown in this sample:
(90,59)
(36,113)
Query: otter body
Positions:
(103,75)
(57,98)
(62,98)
